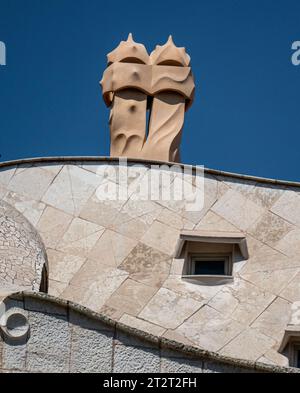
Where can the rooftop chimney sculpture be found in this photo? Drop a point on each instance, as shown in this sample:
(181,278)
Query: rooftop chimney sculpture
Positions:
(134,83)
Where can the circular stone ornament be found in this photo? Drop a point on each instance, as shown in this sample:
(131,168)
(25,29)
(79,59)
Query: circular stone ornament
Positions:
(16,324)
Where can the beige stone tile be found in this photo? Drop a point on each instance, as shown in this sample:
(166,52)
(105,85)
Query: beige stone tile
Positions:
(242,301)
(175,336)
(102,168)
(160,182)
(131,297)
(6,174)
(222,189)
(250,344)
(54,168)
(210,329)
(264,258)
(174,220)
(142,325)
(209,291)
(212,222)
(52,226)
(111,312)
(71,189)
(290,243)
(251,301)
(117,172)
(266,195)
(177,284)
(255,246)
(270,229)
(135,208)
(238,210)
(276,358)
(3,191)
(112,248)
(168,309)
(273,321)
(63,267)
(103,252)
(121,246)
(80,237)
(210,197)
(273,281)
(244,187)
(210,187)
(30,208)
(100,212)
(22,167)
(133,228)
(127,174)
(292,290)
(177,206)
(224,301)
(161,237)
(182,205)
(186,174)
(95,271)
(147,265)
(31,181)
(288,207)
(56,288)
(93,284)
(265,360)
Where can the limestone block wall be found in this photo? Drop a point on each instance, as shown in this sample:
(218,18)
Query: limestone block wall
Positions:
(116,257)
(65,337)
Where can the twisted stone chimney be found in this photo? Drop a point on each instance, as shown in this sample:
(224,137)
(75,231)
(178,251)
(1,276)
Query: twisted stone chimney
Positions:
(134,83)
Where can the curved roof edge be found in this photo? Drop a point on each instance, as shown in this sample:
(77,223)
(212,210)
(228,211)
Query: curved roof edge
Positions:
(155,340)
(215,172)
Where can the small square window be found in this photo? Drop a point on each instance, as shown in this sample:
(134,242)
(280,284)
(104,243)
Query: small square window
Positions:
(209,265)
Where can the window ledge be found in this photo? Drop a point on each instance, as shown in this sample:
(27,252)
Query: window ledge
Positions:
(208,279)
(237,238)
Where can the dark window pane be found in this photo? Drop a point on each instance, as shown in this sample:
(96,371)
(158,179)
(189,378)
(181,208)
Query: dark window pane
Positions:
(210,267)
(298,359)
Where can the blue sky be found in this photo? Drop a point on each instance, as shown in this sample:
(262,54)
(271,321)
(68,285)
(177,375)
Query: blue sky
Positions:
(245,117)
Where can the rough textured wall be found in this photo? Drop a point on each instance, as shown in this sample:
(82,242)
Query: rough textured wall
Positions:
(22,254)
(63,338)
(116,257)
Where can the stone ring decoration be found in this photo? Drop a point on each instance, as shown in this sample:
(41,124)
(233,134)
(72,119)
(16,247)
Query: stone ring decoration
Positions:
(14,324)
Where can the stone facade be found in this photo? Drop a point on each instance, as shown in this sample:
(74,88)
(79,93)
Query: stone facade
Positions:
(64,337)
(116,257)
